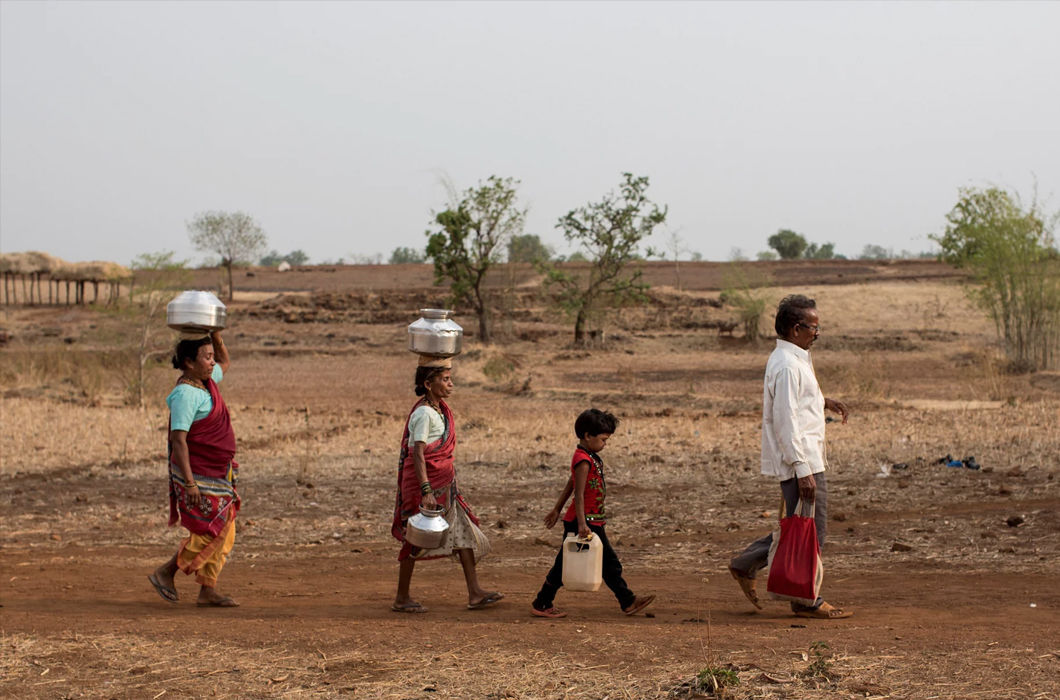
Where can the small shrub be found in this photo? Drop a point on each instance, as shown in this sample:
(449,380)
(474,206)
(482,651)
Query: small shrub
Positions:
(744,291)
(715,681)
(1015,266)
(820,667)
(498,368)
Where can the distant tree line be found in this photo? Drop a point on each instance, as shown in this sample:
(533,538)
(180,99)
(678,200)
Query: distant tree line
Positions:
(786,244)
(274,258)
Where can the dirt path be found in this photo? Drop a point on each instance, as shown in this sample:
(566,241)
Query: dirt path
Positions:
(86,623)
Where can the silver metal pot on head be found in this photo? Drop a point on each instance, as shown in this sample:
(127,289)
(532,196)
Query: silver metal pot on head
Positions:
(195,310)
(436,334)
(427,528)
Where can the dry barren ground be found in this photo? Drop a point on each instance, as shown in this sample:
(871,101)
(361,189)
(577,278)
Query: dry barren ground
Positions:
(952,573)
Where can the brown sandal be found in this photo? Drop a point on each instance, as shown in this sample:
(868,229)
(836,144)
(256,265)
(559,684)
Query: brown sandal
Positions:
(168,594)
(552,613)
(747,585)
(638,604)
(824,612)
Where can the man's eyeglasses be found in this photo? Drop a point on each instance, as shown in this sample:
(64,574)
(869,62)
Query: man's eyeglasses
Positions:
(812,329)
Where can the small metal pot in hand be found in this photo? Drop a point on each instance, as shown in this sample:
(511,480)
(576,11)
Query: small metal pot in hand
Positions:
(427,529)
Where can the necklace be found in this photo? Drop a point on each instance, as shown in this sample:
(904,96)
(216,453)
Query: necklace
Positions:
(190,381)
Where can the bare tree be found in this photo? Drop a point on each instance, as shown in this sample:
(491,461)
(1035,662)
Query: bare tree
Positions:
(144,315)
(235,236)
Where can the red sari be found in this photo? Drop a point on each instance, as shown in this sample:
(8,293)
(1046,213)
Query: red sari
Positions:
(441,473)
(211,447)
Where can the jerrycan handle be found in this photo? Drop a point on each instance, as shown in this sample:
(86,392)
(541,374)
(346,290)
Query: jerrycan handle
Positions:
(580,544)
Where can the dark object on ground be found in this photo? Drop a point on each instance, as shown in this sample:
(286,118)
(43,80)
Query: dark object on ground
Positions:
(949,461)
(1015,520)
(900,465)
(970,463)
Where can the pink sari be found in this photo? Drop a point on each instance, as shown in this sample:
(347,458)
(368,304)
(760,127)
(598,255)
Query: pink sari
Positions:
(441,473)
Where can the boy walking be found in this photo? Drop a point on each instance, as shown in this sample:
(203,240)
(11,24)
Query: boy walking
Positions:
(587,515)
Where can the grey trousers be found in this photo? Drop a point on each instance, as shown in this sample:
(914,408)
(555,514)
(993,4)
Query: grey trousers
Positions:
(753,559)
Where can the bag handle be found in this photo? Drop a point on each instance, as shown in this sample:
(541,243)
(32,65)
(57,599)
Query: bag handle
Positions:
(800,508)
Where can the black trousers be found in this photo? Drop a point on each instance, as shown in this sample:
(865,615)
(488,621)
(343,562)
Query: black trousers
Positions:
(612,570)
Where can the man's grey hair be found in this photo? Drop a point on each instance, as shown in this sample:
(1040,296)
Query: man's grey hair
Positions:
(791,312)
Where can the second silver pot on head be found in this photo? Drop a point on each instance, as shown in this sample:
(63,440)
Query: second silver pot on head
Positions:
(436,334)
(194,310)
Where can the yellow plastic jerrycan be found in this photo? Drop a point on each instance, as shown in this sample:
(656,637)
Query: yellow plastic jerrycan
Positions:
(583,563)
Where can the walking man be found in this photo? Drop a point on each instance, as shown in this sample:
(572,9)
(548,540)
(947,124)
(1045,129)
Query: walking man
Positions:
(793,448)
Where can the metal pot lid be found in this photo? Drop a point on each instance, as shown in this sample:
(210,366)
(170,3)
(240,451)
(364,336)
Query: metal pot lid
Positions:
(195,299)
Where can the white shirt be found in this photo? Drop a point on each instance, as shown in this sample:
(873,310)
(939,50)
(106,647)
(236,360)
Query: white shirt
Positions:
(792,415)
(425,425)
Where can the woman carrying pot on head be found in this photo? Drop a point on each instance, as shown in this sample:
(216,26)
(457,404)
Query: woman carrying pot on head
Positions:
(202,473)
(427,477)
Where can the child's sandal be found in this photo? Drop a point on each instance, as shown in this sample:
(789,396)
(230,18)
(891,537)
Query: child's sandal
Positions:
(551,613)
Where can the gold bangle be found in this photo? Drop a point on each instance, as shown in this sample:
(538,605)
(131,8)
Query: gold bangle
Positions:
(192,485)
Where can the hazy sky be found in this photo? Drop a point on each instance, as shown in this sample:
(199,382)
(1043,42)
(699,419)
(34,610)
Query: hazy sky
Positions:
(332,123)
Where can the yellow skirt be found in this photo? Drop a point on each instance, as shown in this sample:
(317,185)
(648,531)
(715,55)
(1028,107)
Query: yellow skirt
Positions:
(205,556)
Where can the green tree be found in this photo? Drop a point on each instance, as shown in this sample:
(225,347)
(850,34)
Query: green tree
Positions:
(163,260)
(609,233)
(875,252)
(235,236)
(271,259)
(825,251)
(1012,256)
(402,255)
(528,248)
(766,255)
(788,244)
(469,241)
(274,258)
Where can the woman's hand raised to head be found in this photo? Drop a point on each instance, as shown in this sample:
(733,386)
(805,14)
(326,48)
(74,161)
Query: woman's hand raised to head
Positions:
(220,351)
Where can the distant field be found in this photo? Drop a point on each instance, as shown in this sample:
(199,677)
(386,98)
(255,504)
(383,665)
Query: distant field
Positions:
(696,276)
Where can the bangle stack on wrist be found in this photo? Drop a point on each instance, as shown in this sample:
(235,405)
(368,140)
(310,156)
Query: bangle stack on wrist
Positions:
(191,485)
(425,488)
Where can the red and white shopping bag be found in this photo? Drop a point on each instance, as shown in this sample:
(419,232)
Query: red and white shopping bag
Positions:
(795,568)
